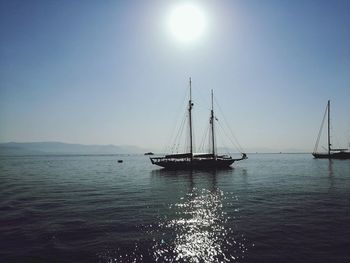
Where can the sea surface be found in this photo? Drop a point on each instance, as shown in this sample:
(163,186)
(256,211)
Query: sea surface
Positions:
(90,208)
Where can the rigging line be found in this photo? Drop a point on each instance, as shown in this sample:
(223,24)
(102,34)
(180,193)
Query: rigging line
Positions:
(193,137)
(334,139)
(224,142)
(174,139)
(347,133)
(202,97)
(348,136)
(187,146)
(177,119)
(179,134)
(320,130)
(338,139)
(212,147)
(228,126)
(233,143)
(236,144)
(209,144)
(204,139)
(222,131)
(179,138)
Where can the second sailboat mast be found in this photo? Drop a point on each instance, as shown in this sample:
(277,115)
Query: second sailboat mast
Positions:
(212,125)
(190,105)
(329,127)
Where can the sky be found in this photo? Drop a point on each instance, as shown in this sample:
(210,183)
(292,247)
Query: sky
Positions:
(112,72)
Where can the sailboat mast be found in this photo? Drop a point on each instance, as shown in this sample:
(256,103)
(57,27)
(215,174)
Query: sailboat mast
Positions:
(190,105)
(329,127)
(212,125)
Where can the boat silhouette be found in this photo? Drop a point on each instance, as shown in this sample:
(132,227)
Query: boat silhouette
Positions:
(191,160)
(340,153)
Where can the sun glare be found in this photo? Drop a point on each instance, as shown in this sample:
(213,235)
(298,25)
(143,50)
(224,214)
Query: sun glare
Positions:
(187,22)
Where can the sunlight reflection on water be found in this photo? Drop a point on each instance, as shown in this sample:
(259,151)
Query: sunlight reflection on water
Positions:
(197,229)
(201,231)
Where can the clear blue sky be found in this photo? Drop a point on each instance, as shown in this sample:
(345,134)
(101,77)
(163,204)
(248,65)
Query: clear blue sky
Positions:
(108,72)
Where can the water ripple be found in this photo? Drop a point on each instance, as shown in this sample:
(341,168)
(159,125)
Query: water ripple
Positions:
(196,229)
(202,231)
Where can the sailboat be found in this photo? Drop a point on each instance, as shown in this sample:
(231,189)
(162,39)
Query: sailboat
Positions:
(191,160)
(331,153)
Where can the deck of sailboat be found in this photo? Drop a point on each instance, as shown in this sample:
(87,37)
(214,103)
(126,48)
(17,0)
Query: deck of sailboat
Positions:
(195,163)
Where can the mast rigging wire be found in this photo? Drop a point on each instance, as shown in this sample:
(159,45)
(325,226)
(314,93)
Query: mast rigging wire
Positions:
(171,138)
(237,144)
(320,131)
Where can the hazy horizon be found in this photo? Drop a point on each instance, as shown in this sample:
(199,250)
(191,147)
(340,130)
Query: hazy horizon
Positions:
(137,148)
(111,73)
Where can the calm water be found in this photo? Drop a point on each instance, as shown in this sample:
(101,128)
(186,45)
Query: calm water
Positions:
(270,208)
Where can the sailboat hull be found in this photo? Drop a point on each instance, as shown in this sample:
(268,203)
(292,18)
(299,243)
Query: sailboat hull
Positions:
(337,155)
(200,164)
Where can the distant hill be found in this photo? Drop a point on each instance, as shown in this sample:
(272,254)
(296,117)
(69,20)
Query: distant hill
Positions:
(32,148)
(24,148)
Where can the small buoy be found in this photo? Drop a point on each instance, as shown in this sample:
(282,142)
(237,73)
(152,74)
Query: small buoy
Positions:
(120,161)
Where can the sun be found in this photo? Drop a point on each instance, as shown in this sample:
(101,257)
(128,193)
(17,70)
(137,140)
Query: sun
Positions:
(187,22)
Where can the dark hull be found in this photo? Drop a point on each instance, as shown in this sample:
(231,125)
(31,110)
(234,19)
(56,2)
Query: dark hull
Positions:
(195,164)
(337,155)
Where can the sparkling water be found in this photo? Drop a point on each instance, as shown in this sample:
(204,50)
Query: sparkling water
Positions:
(90,208)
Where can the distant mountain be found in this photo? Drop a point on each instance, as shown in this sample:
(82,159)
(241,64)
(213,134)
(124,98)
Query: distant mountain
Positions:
(15,148)
(32,148)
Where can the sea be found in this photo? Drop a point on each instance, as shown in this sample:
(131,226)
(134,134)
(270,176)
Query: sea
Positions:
(91,208)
